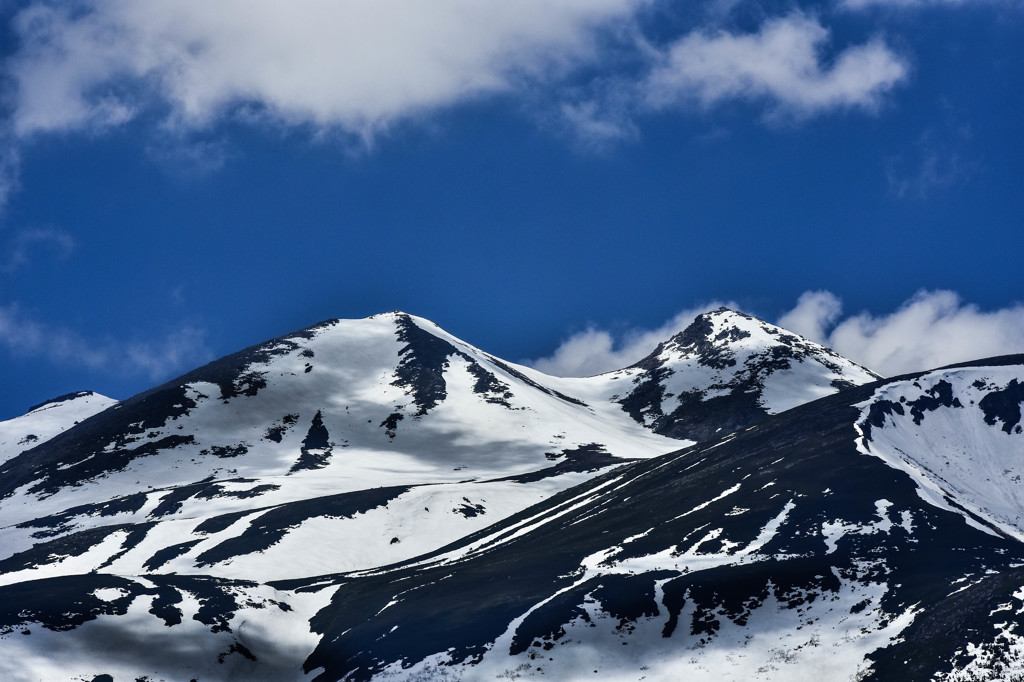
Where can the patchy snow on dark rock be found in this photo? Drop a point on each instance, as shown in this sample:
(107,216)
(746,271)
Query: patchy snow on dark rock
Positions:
(727,371)
(490,522)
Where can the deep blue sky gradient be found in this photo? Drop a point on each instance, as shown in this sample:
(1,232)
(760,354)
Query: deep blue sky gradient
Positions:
(510,236)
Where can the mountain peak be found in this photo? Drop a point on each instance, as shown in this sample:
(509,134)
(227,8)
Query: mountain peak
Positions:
(728,370)
(67,397)
(47,420)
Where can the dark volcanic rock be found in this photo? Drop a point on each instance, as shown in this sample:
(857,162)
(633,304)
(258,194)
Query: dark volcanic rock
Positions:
(424,359)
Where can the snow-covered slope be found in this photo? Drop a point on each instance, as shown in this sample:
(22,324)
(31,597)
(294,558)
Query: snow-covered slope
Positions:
(958,433)
(781,552)
(387,435)
(211,518)
(43,422)
(796,549)
(724,372)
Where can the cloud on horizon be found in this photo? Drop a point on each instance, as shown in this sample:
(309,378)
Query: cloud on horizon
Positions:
(180,350)
(931,329)
(593,351)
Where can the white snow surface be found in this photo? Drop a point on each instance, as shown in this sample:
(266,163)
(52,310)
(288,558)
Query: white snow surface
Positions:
(953,454)
(46,421)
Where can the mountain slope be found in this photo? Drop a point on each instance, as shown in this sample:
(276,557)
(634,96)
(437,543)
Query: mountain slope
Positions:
(791,550)
(387,434)
(958,433)
(782,552)
(43,422)
(268,446)
(221,516)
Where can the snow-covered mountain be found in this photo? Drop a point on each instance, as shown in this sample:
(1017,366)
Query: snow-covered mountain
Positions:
(387,433)
(724,372)
(871,535)
(43,422)
(379,499)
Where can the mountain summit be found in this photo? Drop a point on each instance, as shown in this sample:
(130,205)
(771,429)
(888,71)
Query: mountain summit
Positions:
(44,421)
(726,371)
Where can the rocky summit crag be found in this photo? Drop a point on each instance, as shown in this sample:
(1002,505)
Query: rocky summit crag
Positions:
(377,499)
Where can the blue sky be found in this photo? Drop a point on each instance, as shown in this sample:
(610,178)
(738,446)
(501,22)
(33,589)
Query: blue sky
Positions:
(555,181)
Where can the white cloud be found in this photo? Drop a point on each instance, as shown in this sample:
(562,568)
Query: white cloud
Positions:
(594,351)
(784,64)
(815,312)
(27,338)
(361,66)
(932,329)
(357,65)
(352,69)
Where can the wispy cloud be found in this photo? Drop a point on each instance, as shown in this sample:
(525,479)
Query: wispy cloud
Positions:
(10,167)
(597,126)
(920,177)
(593,351)
(186,157)
(19,249)
(907,4)
(180,350)
(24,337)
(783,64)
(931,329)
(938,160)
